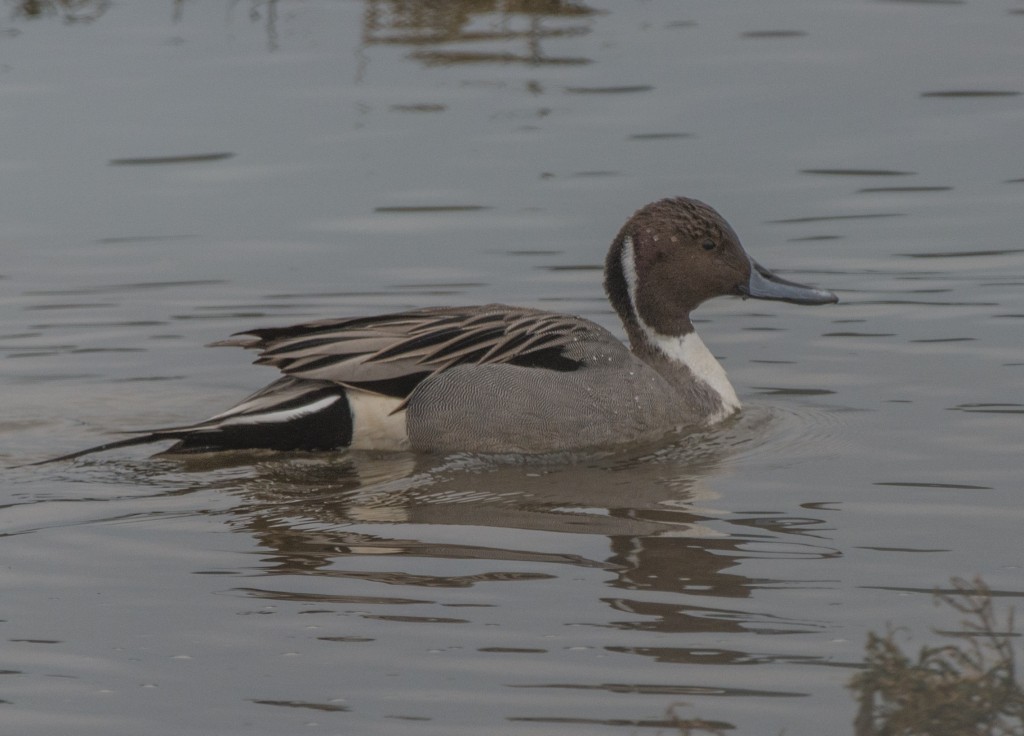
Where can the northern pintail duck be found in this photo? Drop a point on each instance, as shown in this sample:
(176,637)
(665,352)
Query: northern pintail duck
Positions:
(503,379)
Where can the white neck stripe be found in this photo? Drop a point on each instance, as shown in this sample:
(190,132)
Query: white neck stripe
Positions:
(687,349)
(628,261)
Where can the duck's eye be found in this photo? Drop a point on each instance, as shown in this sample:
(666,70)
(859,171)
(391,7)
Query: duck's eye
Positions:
(708,245)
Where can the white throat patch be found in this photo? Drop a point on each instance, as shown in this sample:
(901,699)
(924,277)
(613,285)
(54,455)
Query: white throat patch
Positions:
(687,349)
(691,351)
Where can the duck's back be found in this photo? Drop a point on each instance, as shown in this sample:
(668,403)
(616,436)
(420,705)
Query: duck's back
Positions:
(493,378)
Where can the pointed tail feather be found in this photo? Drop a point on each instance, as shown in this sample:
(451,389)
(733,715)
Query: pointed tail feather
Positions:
(144,439)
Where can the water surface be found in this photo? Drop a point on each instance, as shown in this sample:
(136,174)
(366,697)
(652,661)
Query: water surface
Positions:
(177,172)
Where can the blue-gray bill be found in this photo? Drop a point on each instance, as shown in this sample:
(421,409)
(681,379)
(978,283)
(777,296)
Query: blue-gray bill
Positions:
(763,284)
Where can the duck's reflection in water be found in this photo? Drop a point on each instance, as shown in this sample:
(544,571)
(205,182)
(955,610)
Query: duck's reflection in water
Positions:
(672,559)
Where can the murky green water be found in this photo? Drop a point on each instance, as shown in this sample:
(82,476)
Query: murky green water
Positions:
(175,172)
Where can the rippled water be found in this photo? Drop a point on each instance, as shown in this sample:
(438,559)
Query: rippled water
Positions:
(176,172)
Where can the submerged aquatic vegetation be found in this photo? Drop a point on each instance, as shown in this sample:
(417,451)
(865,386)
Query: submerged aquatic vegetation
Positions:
(71,11)
(969,688)
(964,689)
(693,726)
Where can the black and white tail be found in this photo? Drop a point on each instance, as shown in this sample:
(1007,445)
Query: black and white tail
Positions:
(289,414)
